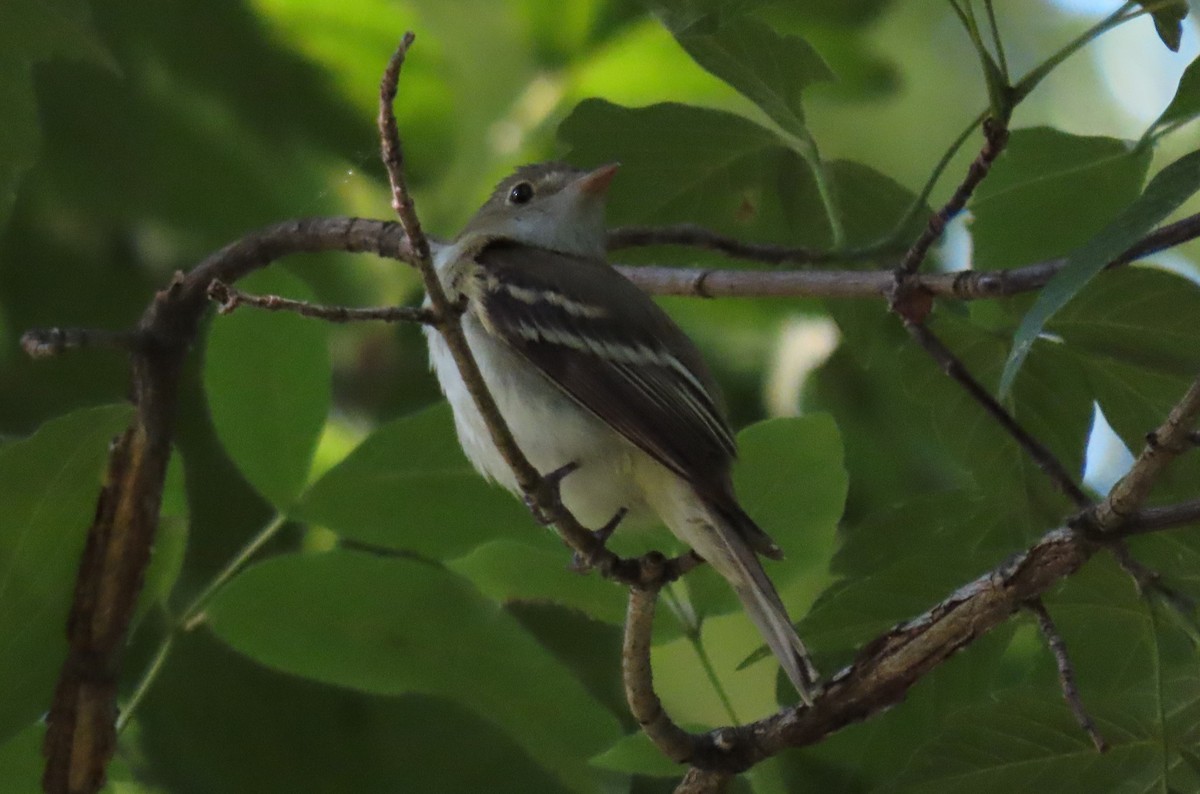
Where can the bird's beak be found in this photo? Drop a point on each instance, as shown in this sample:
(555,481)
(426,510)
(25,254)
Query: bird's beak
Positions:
(595,183)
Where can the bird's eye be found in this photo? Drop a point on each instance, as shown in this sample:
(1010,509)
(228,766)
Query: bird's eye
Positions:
(521,193)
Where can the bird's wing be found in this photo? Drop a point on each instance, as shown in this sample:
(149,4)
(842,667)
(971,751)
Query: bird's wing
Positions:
(605,343)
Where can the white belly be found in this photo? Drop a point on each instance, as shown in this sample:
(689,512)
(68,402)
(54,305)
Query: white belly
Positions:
(550,428)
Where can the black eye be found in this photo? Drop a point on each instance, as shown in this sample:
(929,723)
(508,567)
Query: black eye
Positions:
(521,193)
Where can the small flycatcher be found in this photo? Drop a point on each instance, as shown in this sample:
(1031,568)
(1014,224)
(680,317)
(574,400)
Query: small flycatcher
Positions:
(587,369)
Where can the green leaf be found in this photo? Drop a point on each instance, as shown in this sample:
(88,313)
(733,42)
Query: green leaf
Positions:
(1049,192)
(33,31)
(21,760)
(689,164)
(392,626)
(870,755)
(769,69)
(507,570)
(268,378)
(900,561)
(170,542)
(1132,332)
(1139,316)
(1142,693)
(1185,105)
(1024,744)
(409,486)
(635,754)
(1168,20)
(295,735)
(791,479)
(1169,188)
(49,483)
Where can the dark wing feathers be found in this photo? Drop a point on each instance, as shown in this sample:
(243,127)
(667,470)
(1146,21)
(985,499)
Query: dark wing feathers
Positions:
(609,346)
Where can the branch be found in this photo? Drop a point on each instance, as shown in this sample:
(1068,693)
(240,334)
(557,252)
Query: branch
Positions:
(890,664)
(50,342)
(229,299)
(80,724)
(995,135)
(1154,519)
(637,675)
(1066,673)
(963,285)
(1150,582)
(693,236)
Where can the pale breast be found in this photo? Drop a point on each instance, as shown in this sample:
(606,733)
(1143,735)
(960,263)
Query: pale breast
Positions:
(551,429)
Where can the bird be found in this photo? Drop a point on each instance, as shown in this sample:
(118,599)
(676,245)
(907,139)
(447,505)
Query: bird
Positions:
(594,377)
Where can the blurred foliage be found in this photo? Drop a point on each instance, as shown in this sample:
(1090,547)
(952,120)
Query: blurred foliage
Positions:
(406,626)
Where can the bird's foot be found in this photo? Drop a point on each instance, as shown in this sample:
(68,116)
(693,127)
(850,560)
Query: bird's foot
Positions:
(548,497)
(581,563)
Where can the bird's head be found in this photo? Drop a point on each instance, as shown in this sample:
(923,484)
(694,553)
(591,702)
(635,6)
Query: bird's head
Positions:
(549,205)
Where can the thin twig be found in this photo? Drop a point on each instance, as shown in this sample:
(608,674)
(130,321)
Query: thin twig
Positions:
(1066,673)
(386,239)
(995,135)
(693,236)
(1150,583)
(49,342)
(393,156)
(963,284)
(230,299)
(1041,455)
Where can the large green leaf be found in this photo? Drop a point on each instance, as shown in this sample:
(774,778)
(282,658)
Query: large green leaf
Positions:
(1168,20)
(1185,105)
(1051,400)
(1023,744)
(1133,333)
(791,479)
(1049,192)
(170,542)
(268,378)
(1139,316)
(32,31)
(899,562)
(251,730)
(770,69)
(865,755)
(689,164)
(1169,188)
(1142,692)
(637,755)
(409,486)
(393,626)
(507,570)
(49,483)
(22,763)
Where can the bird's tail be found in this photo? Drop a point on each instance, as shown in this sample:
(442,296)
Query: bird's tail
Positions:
(733,553)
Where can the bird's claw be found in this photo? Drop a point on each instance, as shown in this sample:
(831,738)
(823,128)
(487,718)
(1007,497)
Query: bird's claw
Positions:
(548,495)
(580,564)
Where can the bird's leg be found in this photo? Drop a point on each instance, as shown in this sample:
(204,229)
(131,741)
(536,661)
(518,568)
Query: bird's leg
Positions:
(551,483)
(578,563)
